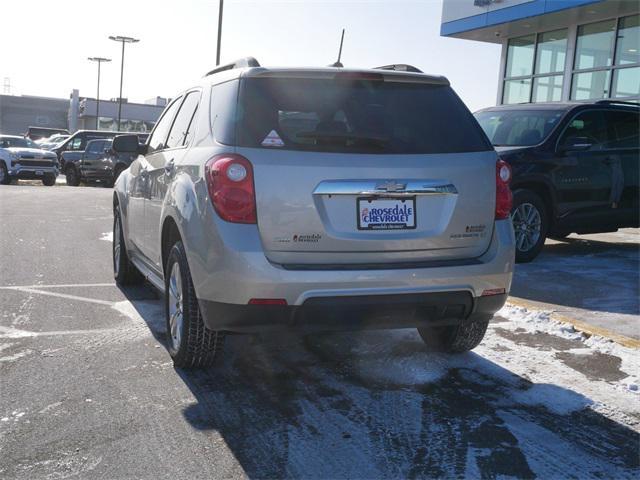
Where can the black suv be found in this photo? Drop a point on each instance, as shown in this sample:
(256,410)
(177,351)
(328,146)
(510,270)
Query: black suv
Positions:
(78,142)
(98,162)
(575,167)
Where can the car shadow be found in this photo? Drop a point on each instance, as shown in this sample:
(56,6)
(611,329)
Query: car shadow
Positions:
(583,273)
(376,404)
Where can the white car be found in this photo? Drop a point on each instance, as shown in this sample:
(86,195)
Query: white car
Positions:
(21,158)
(52,141)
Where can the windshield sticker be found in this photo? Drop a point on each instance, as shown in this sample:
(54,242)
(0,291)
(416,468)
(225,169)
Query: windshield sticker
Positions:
(272,140)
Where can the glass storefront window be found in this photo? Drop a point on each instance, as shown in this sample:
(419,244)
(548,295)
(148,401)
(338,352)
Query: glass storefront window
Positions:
(628,48)
(590,85)
(626,82)
(595,45)
(520,54)
(552,50)
(605,77)
(516,91)
(547,89)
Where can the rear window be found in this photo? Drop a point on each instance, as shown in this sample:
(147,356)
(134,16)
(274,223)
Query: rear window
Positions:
(355,116)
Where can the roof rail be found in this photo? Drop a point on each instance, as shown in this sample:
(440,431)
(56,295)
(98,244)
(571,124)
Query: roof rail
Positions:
(610,102)
(240,63)
(400,67)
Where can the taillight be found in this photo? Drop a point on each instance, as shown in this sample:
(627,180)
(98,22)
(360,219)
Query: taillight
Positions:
(504,198)
(230,183)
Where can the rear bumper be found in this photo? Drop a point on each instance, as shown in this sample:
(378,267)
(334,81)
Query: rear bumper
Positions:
(338,299)
(354,313)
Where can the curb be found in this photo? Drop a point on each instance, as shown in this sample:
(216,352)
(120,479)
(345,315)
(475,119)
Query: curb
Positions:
(579,325)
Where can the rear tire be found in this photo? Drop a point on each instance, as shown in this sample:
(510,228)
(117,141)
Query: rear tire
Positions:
(455,338)
(124,272)
(191,344)
(5,179)
(73,179)
(530,224)
(49,181)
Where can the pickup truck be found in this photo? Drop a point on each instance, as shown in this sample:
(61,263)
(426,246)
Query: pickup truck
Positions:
(97,163)
(21,158)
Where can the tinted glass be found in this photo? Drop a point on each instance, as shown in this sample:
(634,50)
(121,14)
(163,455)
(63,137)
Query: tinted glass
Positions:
(624,129)
(595,45)
(508,128)
(590,85)
(552,49)
(547,89)
(628,48)
(516,91)
(626,82)
(355,116)
(95,146)
(161,131)
(224,98)
(180,128)
(520,56)
(590,125)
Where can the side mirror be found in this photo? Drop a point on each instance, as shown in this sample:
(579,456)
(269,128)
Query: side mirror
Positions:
(125,144)
(576,144)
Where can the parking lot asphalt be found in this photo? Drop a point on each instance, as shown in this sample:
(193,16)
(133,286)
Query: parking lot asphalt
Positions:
(88,390)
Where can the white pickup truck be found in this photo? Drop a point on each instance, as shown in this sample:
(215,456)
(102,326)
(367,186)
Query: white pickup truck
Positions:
(21,158)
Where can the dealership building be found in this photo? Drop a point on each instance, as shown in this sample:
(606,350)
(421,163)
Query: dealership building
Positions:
(18,112)
(555,50)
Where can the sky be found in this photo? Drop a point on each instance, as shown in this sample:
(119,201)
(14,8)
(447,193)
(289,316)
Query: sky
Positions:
(44,50)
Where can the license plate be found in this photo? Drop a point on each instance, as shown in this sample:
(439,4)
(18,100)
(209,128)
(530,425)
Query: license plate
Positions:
(39,172)
(386,213)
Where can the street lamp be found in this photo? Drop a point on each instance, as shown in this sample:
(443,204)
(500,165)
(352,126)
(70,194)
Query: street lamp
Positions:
(124,40)
(99,60)
(220,8)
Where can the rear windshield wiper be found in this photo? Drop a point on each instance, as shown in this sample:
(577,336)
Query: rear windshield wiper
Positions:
(342,137)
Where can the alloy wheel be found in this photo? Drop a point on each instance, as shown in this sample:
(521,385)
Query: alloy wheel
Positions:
(527,224)
(116,246)
(175,306)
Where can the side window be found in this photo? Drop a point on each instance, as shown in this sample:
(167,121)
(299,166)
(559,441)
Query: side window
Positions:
(224,114)
(624,129)
(181,127)
(590,125)
(159,136)
(94,147)
(75,144)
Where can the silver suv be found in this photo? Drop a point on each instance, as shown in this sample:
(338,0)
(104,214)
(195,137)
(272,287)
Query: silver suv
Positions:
(316,199)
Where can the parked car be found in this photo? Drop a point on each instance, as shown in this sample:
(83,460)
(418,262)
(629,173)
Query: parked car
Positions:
(77,142)
(575,167)
(52,141)
(97,163)
(20,158)
(36,133)
(316,199)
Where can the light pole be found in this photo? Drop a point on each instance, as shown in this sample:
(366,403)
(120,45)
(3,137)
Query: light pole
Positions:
(99,60)
(124,40)
(219,31)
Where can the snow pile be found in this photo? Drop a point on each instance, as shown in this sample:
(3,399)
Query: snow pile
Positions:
(538,321)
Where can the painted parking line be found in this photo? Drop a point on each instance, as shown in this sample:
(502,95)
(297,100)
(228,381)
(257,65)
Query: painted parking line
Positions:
(578,325)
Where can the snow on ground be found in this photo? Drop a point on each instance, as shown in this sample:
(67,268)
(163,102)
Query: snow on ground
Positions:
(107,237)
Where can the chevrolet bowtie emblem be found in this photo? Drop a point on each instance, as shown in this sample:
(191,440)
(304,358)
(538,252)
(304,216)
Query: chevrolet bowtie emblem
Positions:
(391,186)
